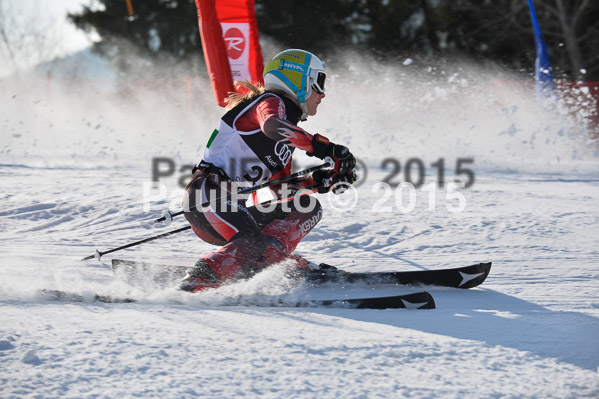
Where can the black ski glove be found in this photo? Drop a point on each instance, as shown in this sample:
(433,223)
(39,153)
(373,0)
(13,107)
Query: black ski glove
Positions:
(327,180)
(322,148)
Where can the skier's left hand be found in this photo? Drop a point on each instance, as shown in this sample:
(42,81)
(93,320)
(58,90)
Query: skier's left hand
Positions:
(329,180)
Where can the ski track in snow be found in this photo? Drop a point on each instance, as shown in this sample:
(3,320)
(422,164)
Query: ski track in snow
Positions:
(530,331)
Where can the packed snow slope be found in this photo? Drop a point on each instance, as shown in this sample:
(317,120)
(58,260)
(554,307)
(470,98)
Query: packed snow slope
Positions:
(76,175)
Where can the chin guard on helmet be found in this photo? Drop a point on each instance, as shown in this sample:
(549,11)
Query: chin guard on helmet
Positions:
(296,73)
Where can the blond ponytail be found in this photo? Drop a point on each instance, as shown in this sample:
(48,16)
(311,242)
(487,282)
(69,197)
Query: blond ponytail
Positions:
(252,91)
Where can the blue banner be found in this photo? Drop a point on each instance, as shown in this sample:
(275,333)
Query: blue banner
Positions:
(543,75)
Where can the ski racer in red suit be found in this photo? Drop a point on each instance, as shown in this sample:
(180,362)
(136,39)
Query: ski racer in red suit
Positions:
(254,143)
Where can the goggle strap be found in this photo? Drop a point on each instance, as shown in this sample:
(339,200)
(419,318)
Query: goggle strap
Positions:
(301,94)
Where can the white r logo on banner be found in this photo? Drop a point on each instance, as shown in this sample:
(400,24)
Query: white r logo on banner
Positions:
(235,43)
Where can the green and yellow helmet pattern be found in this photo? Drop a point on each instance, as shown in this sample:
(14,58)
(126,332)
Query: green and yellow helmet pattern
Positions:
(296,73)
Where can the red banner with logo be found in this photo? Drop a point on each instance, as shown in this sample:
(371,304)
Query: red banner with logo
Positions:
(230,41)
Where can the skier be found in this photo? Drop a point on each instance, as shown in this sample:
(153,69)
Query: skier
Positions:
(254,143)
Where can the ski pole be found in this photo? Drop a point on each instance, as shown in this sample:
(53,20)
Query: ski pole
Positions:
(168,217)
(99,254)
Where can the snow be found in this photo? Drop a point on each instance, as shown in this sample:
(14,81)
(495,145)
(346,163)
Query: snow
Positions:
(73,160)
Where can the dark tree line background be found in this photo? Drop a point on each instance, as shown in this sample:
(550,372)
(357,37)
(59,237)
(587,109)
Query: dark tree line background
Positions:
(497,30)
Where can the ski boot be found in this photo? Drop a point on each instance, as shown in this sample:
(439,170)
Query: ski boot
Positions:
(199,277)
(306,264)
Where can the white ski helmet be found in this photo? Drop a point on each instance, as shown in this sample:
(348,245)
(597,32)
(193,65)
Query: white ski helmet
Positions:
(295,72)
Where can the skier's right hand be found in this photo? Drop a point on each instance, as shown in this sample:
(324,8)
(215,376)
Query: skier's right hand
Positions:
(322,148)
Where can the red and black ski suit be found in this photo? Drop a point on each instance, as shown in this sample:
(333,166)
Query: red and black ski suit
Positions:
(254,143)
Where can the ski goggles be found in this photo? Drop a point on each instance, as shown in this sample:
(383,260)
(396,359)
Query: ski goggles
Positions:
(318,83)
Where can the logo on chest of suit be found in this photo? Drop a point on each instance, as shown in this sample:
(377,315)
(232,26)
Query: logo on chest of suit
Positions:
(283,152)
(281,110)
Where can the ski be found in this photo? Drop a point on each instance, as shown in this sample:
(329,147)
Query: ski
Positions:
(64,296)
(459,277)
(417,300)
